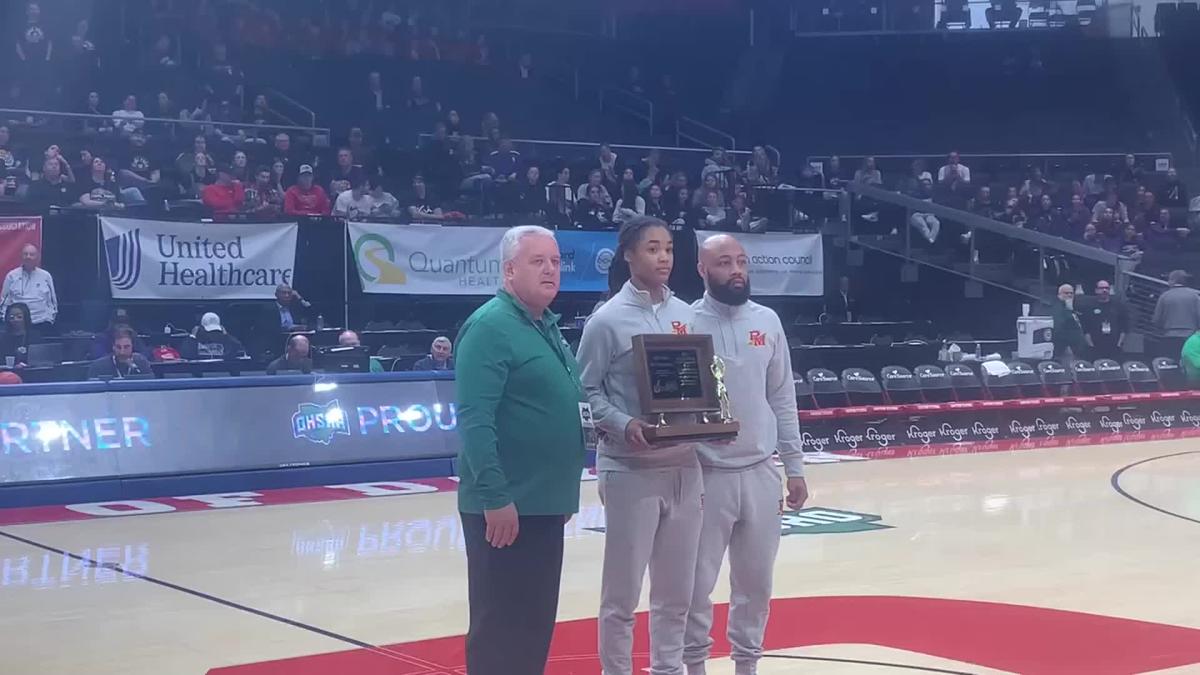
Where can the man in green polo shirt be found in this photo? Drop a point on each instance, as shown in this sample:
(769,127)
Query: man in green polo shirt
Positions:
(522,416)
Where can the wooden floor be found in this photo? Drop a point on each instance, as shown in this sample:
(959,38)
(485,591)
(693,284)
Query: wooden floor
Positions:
(1070,560)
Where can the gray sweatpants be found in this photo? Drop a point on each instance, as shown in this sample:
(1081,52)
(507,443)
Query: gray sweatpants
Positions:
(741,514)
(653,519)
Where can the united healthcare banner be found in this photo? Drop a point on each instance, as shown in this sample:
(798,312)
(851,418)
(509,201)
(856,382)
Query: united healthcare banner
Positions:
(436,260)
(157,259)
(15,234)
(781,263)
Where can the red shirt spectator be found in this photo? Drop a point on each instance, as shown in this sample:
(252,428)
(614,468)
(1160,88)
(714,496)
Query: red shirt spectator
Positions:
(224,196)
(304,198)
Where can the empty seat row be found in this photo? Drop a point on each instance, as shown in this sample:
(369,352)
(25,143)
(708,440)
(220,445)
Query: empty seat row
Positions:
(823,388)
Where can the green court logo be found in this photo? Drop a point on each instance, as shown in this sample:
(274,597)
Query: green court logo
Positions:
(816,520)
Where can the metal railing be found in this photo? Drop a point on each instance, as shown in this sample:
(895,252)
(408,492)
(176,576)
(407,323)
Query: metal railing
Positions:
(544,144)
(634,105)
(1046,248)
(692,130)
(1027,157)
(171,122)
(300,108)
(1141,295)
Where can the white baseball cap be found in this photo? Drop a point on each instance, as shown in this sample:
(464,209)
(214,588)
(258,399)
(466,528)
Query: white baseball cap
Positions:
(211,322)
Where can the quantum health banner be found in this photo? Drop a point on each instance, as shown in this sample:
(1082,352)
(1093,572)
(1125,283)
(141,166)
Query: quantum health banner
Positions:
(781,263)
(436,260)
(15,233)
(158,259)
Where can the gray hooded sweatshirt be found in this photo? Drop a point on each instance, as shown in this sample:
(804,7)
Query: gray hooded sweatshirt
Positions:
(758,377)
(608,373)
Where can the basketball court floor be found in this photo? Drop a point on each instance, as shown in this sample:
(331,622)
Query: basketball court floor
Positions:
(1068,560)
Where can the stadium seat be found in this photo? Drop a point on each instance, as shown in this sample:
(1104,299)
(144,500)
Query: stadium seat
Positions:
(1170,375)
(828,390)
(900,385)
(1057,379)
(1087,378)
(862,387)
(1000,387)
(1141,377)
(804,393)
(935,385)
(1112,376)
(967,386)
(1027,380)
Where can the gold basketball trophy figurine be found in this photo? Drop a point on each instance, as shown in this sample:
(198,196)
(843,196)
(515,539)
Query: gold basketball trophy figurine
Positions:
(718,371)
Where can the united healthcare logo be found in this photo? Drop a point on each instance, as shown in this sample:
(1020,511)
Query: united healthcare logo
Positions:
(379,252)
(124,254)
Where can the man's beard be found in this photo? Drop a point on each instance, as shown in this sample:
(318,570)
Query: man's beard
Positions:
(729,295)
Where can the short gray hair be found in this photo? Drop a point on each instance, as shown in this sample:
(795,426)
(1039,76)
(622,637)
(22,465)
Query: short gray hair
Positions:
(512,238)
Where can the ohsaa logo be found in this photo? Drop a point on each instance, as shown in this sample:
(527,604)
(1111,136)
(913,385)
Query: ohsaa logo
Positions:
(758,338)
(829,521)
(319,423)
(679,327)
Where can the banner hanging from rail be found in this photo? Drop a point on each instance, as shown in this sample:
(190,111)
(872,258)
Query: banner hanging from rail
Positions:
(435,260)
(15,234)
(157,259)
(781,264)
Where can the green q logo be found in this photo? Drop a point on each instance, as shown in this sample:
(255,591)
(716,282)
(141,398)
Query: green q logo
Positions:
(378,251)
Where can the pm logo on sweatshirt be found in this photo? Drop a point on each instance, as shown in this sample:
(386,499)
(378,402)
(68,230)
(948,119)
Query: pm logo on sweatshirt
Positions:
(679,327)
(758,338)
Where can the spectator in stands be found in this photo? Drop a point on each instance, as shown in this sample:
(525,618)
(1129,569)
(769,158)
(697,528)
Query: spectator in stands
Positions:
(241,168)
(653,173)
(383,203)
(489,122)
(982,204)
(128,118)
(223,78)
(910,183)
(1105,322)
(1111,201)
(52,189)
(305,198)
(344,174)
(1145,209)
(631,203)
(679,181)
(164,108)
(525,67)
(609,167)
(1067,332)
(531,194)
(593,213)
(709,186)
(951,190)
(277,179)
(17,336)
(841,306)
(1173,193)
(1077,217)
(1050,219)
(835,175)
(504,160)
(713,213)
(1093,237)
(141,166)
(1130,173)
(718,165)
(1036,185)
(682,216)
(100,191)
(560,199)
(868,174)
(1164,234)
(439,358)
(118,321)
(418,101)
(955,165)
(1130,243)
(454,126)
(196,168)
(122,362)
(1095,184)
(1176,314)
(926,224)
(595,179)
(1003,13)
(379,102)
(355,203)
(34,50)
(226,195)
(297,356)
(422,207)
(654,206)
(210,340)
(1106,224)
(92,126)
(12,167)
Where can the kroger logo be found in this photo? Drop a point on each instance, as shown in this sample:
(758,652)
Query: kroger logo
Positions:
(124,254)
(1161,419)
(817,443)
(872,434)
(1188,418)
(917,433)
(1078,425)
(987,432)
(1135,422)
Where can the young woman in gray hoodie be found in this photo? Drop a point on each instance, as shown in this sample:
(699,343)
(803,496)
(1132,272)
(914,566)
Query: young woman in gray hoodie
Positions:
(652,494)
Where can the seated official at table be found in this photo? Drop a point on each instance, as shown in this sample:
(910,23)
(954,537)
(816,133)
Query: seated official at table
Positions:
(349,338)
(296,357)
(439,356)
(286,314)
(210,340)
(17,336)
(121,363)
(33,286)
(117,322)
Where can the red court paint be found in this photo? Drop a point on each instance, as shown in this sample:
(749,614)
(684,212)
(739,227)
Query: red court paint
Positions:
(1015,638)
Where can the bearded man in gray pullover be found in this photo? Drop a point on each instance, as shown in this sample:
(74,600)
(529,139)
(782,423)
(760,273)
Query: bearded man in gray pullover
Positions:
(742,497)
